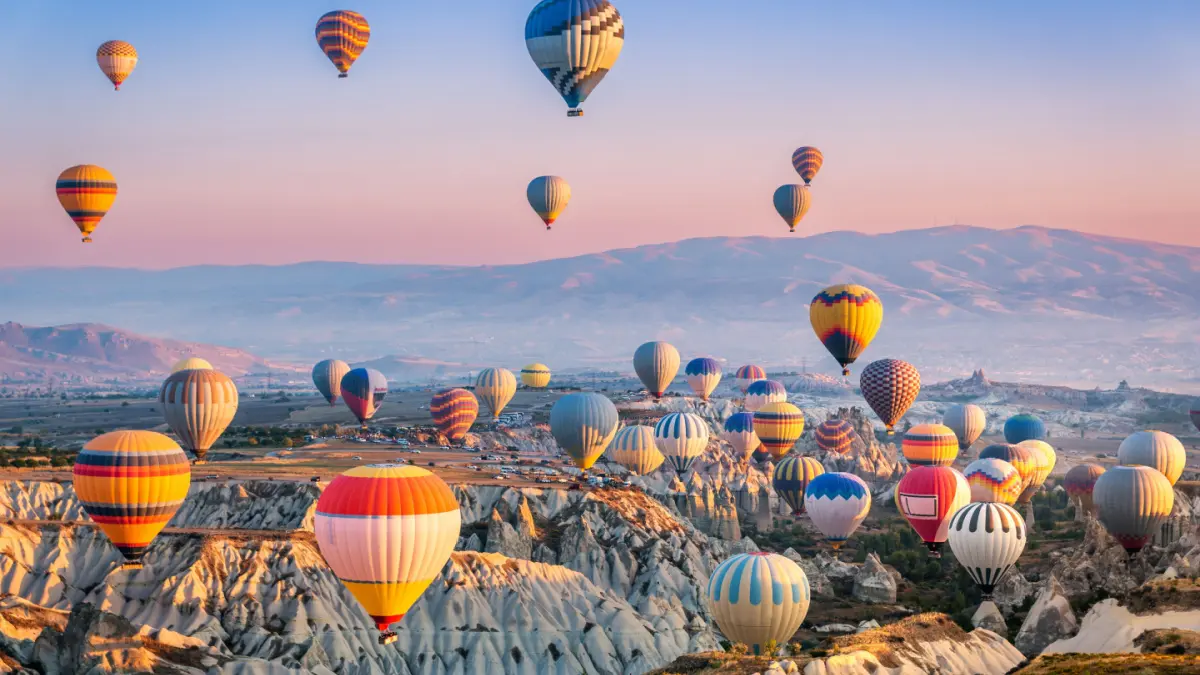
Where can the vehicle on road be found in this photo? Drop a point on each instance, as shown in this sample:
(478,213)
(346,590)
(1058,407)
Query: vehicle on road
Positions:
(356,458)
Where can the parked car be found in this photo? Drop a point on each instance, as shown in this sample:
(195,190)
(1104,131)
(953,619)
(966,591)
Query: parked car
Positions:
(416,452)
(315,479)
(356,458)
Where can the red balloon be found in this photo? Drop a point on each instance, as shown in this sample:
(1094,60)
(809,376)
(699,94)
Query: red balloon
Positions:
(928,496)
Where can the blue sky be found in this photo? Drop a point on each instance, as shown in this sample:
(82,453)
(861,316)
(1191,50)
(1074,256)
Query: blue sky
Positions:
(235,142)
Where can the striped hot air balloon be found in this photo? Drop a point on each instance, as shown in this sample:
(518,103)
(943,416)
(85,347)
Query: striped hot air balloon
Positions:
(548,197)
(739,433)
(837,503)
(583,424)
(835,436)
(927,497)
(191,363)
(535,376)
(807,161)
(1133,502)
(634,448)
(327,376)
(343,35)
(198,406)
(890,386)
(386,531)
(993,480)
(574,43)
(846,318)
(1155,449)
(987,539)
(681,438)
(130,483)
(791,478)
(792,203)
(1044,459)
(762,392)
(496,388)
(1023,428)
(1080,482)
(703,376)
(758,598)
(86,192)
(656,364)
(1021,458)
(363,390)
(967,422)
(117,60)
(453,412)
(747,375)
(930,445)
(779,426)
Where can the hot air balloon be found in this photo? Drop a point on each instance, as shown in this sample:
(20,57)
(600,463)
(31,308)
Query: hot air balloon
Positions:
(343,36)
(198,406)
(779,426)
(1133,502)
(927,497)
(930,445)
(1079,483)
(739,432)
(117,60)
(1023,428)
(758,598)
(835,436)
(792,476)
(327,375)
(191,363)
(967,422)
(1155,449)
(363,390)
(86,193)
(535,375)
(656,364)
(496,387)
(762,392)
(845,318)
(890,386)
(549,196)
(1044,459)
(574,43)
(583,424)
(1021,458)
(747,375)
(703,375)
(634,448)
(386,531)
(453,412)
(993,480)
(681,438)
(1195,417)
(130,483)
(837,504)
(807,161)
(987,539)
(791,203)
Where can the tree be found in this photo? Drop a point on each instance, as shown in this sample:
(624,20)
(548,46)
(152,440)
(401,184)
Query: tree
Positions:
(771,647)
(288,442)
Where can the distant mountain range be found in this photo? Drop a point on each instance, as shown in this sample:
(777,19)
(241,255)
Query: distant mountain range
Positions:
(94,353)
(1027,304)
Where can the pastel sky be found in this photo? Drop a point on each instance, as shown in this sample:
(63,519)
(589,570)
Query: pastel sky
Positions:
(234,142)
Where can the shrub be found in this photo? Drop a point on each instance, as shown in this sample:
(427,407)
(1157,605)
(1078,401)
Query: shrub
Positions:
(770,648)
(738,649)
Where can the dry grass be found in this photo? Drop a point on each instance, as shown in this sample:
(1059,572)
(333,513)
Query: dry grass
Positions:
(1169,641)
(1164,596)
(885,641)
(712,663)
(1112,664)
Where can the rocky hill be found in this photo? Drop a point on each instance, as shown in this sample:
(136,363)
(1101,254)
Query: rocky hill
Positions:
(79,353)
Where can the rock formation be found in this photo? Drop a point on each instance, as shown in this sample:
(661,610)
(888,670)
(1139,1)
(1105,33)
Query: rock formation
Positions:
(1050,619)
(874,583)
(1012,591)
(988,616)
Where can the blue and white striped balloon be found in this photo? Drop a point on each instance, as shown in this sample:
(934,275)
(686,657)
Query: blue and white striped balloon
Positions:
(762,392)
(703,375)
(681,438)
(837,504)
(574,43)
(739,432)
(758,597)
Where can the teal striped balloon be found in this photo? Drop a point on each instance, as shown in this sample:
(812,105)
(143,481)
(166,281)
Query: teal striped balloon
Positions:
(583,424)
(758,597)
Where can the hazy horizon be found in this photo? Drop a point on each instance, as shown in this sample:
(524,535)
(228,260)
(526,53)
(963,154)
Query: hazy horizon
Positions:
(928,113)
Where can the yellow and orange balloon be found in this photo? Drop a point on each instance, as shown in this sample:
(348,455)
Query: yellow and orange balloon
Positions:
(130,483)
(343,35)
(86,193)
(116,59)
(846,318)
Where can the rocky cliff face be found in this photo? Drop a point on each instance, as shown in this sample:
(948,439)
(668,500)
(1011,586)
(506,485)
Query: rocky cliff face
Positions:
(582,582)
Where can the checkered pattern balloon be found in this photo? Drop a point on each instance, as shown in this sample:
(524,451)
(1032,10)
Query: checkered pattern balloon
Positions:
(890,387)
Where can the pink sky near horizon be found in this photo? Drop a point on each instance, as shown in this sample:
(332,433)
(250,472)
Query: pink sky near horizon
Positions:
(403,164)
